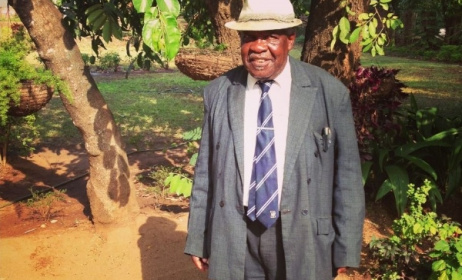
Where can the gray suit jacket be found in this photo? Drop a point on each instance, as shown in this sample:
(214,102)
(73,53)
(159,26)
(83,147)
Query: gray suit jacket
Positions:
(322,201)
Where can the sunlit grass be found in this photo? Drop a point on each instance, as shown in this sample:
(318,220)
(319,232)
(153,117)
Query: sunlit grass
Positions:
(144,107)
(433,84)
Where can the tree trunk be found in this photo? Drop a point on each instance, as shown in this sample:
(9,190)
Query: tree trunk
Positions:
(221,12)
(452,17)
(343,59)
(407,35)
(112,198)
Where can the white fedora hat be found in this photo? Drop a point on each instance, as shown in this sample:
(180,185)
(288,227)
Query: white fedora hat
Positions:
(258,15)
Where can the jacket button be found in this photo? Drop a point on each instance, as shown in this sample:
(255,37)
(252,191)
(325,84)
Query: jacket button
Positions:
(222,203)
(304,212)
(316,154)
(217,146)
(308,181)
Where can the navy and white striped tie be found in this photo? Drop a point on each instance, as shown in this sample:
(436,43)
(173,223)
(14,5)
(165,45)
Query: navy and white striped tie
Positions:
(263,190)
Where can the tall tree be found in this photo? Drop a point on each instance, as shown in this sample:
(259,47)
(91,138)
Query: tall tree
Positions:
(112,197)
(343,59)
(222,11)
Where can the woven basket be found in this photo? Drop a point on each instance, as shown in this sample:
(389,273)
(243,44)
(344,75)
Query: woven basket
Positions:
(205,65)
(33,97)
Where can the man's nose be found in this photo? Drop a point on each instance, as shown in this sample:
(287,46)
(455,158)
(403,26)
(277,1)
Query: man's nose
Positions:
(259,45)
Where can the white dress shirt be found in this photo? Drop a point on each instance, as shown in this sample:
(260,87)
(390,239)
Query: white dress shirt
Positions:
(279,94)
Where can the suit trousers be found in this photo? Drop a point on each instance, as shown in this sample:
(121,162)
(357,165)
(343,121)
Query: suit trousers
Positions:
(264,258)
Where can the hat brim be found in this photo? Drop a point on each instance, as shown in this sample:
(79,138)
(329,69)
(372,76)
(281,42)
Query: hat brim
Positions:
(261,25)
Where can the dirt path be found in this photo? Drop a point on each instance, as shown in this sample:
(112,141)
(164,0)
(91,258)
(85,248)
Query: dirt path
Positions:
(68,246)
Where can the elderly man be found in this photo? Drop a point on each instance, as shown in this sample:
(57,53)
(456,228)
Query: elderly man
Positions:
(277,191)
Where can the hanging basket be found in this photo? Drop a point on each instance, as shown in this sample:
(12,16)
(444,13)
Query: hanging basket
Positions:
(32,98)
(205,65)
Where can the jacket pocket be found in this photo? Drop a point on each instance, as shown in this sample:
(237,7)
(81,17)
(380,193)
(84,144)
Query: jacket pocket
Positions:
(324,226)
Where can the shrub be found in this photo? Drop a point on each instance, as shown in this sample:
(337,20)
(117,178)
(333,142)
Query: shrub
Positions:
(375,95)
(158,175)
(44,203)
(399,145)
(427,146)
(110,60)
(422,244)
(450,53)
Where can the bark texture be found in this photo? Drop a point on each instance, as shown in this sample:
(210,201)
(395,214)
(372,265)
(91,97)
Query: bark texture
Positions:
(343,59)
(221,12)
(112,198)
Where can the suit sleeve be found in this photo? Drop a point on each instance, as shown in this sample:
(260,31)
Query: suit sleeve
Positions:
(196,241)
(348,196)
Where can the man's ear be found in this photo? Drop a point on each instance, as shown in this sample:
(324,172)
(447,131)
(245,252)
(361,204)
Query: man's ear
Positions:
(291,40)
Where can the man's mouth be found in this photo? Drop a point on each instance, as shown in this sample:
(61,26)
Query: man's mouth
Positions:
(259,63)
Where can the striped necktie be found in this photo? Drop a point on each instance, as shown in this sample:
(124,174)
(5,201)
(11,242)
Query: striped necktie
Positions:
(263,190)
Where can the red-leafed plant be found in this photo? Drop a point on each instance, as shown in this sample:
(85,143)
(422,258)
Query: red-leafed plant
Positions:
(376,95)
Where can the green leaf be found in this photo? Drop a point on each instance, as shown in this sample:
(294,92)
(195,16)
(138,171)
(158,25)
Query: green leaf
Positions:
(386,7)
(172,37)
(171,7)
(417,228)
(366,168)
(383,190)
(395,23)
(372,29)
(152,34)
(193,135)
(373,2)
(142,6)
(442,246)
(193,159)
(444,134)
(367,47)
(332,43)
(422,164)
(99,22)
(355,34)
(456,275)
(93,13)
(458,247)
(107,30)
(363,17)
(379,49)
(344,25)
(399,180)
(439,265)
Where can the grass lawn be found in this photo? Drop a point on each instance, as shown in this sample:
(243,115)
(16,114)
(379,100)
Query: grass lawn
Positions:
(145,106)
(434,84)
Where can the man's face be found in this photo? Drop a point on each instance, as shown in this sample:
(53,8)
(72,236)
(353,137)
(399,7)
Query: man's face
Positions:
(264,53)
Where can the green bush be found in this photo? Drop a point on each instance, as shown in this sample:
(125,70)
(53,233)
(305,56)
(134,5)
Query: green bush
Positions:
(110,60)
(426,147)
(450,53)
(429,54)
(423,246)
(44,203)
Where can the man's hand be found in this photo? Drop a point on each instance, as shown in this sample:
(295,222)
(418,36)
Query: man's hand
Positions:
(341,270)
(201,263)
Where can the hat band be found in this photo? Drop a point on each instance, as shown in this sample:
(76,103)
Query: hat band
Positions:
(274,17)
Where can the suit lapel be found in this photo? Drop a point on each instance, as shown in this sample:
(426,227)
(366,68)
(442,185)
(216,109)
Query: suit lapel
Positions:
(236,103)
(302,99)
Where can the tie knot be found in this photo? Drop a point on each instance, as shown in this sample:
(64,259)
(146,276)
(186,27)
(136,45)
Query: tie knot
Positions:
(265,85)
